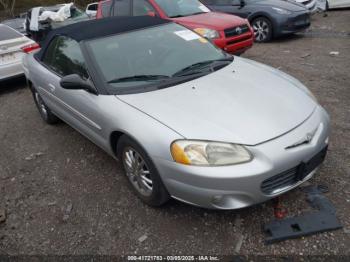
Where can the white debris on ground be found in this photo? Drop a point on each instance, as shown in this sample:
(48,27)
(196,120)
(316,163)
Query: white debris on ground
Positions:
(142,238)
(33,156)
(67,212)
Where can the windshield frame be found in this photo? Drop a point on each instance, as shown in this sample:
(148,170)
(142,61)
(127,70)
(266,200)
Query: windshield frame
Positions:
(106,88)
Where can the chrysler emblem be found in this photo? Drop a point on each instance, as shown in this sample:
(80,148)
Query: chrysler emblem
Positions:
(305,140)
(309,137)
(238,30)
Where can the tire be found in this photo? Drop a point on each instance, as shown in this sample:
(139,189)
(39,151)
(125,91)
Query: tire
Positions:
(146,182)
(262,29)
(45,112)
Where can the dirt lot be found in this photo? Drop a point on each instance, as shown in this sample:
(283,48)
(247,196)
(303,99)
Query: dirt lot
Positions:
(64,195)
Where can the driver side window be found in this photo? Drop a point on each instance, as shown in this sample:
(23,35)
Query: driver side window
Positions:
(64,57)
(235,2)
(142,7)
(224,2)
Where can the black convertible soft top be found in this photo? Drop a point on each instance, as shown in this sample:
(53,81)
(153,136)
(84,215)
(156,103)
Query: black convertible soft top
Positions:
(101,27)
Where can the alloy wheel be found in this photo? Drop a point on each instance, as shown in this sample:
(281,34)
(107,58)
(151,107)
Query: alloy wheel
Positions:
(41,105)
(261,30)
(137,171)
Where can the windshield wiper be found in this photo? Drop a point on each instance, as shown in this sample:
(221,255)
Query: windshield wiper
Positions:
(194,68)
(197,13)
(138,78)
(175,16)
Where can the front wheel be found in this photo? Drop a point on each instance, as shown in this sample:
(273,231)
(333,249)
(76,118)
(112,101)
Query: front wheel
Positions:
(141,172)
(44,110)
(262,29)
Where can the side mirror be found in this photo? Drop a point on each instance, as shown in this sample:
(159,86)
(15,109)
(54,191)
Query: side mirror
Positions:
(151,13)
(75,82)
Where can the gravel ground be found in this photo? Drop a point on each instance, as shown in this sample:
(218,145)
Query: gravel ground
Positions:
(64,195)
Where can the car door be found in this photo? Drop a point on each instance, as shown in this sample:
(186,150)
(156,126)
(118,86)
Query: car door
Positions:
(227,6)
(78,108)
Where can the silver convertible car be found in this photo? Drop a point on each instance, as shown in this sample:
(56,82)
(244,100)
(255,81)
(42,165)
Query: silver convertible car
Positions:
(186,120)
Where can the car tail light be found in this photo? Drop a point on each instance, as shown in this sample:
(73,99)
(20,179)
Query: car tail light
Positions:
(30,48)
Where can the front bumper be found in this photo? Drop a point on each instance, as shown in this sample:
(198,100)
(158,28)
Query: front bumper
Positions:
(238,186)
(11,70)
(292,23)
(235,45)
(311,5)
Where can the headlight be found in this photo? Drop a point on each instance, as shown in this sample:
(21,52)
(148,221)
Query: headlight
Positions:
(281,11)
(207,33)
(206,153)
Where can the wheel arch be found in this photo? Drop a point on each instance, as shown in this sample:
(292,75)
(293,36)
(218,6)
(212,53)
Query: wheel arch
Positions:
(30,84)
(115,137)
(263,15)
(266,16)
(113,141)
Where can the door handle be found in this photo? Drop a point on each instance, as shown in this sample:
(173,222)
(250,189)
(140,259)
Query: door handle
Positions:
(52,87)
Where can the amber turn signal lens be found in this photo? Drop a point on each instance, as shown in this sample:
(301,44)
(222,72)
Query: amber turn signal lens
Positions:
(179,155)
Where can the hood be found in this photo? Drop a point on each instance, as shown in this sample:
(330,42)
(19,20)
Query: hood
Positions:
(212,20)
(288,5)
(244,103)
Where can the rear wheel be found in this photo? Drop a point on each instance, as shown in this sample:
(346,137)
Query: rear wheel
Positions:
(262,29)
(141,172)
(44,110)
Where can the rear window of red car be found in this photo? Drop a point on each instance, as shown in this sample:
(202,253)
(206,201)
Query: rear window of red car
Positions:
(120,8)
(106,8)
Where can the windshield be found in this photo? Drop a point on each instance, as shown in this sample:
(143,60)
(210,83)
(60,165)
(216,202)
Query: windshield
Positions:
(179,8)
(150,56)
(153,55)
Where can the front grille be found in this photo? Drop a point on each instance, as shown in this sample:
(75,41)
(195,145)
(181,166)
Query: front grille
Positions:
(302,20)
(238,40)
(282,180)
(292,176)
(237,30)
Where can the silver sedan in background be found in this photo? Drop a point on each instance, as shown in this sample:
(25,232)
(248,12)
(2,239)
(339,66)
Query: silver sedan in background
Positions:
(12,47)
(187,120)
